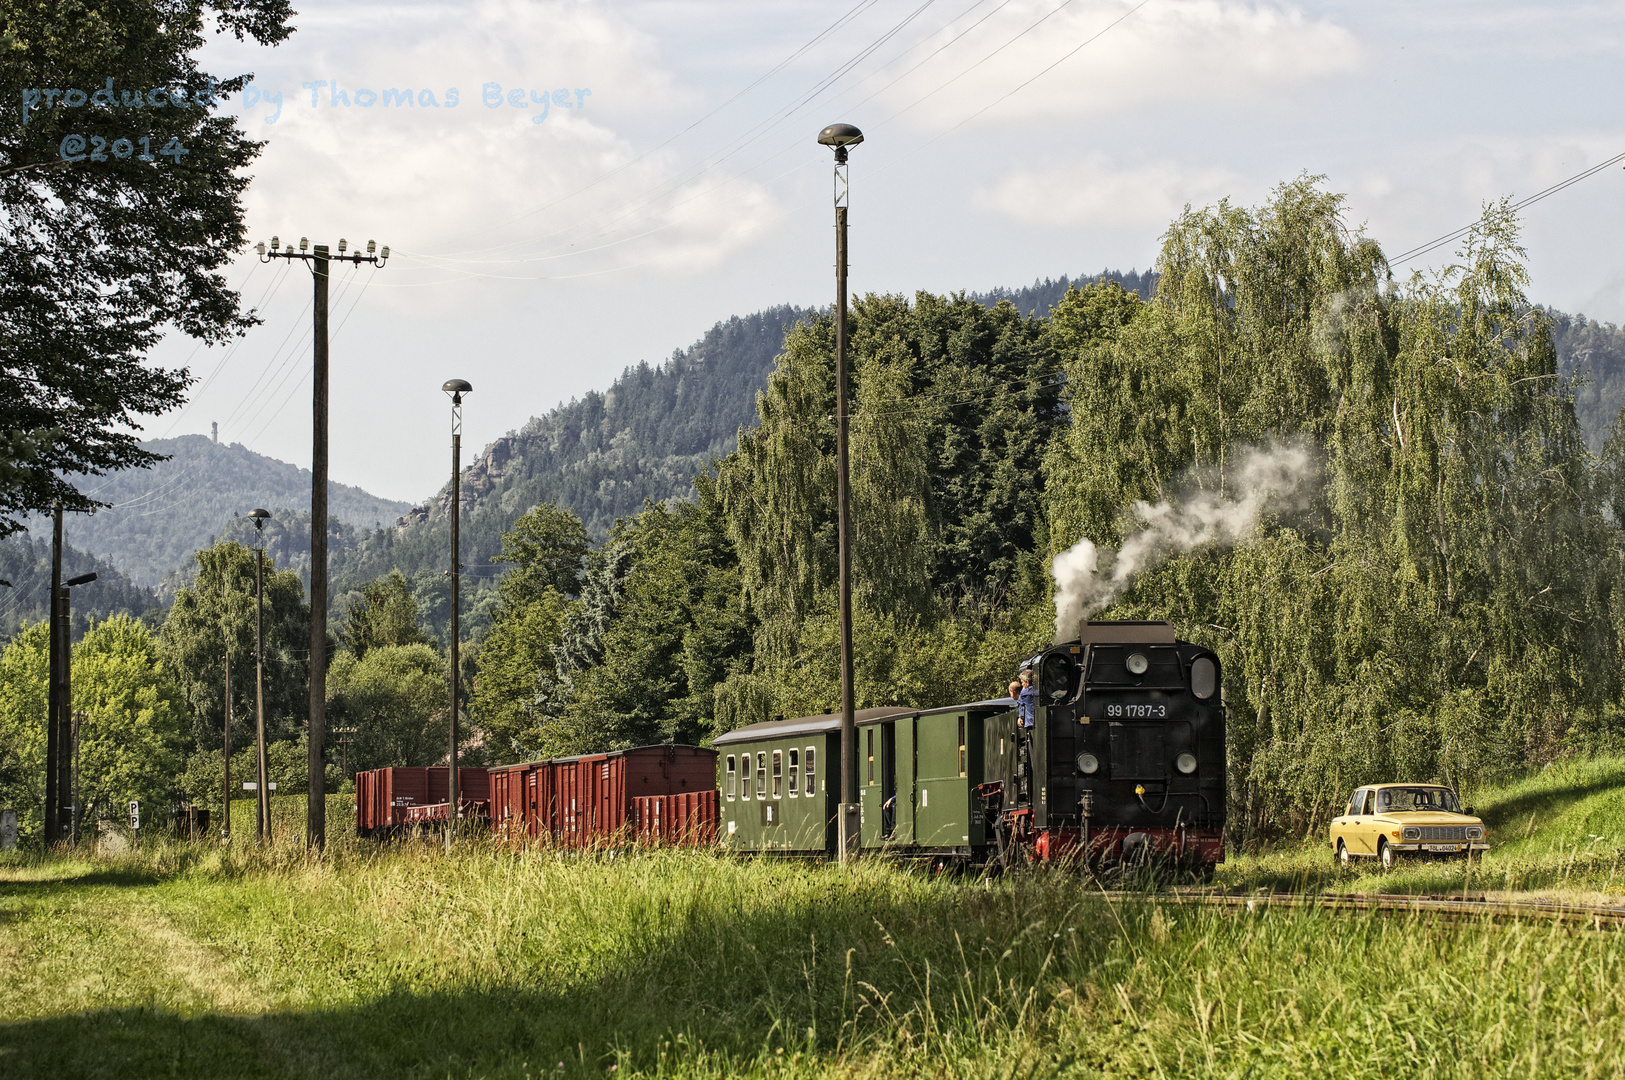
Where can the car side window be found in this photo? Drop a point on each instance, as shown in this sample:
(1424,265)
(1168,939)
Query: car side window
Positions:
(1359,801)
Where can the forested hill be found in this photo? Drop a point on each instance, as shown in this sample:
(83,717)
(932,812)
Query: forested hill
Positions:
(1037,299)
(160,516)
(25,561)
(1595,351)
(603,455)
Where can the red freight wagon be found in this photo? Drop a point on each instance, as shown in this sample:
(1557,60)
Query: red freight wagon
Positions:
(383,797)
(579,801)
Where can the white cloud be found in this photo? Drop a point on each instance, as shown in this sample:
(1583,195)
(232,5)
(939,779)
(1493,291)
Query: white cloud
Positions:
(1095,191)
(1210,52)
(489,190)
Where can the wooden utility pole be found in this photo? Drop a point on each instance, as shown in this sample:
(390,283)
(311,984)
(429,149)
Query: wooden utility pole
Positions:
(53,693)
(320,258)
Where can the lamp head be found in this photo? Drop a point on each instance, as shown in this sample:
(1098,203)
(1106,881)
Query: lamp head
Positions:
(840,136)
(258,517)
(457,388)
(82,579)
(4,582)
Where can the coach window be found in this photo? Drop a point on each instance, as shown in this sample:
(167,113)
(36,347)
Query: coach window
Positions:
(778,773)
(761,775)
(733,778)
(961,746)
(744,777)
(795,771)
(812,777)
(871,755)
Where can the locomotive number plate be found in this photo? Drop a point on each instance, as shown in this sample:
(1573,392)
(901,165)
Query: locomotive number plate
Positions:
(1138,711)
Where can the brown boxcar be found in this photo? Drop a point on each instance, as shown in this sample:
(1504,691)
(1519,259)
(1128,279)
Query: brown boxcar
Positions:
(591,799)
(383,796)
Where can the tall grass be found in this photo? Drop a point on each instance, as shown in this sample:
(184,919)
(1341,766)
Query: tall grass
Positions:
(400,961)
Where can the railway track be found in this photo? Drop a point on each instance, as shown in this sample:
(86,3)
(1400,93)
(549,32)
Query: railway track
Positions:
(1582,916)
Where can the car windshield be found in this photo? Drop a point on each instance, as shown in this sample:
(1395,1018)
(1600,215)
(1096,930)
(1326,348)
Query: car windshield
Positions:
(1417,798)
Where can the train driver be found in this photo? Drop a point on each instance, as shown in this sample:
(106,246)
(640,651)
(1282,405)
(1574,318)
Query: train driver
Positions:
(1027,700)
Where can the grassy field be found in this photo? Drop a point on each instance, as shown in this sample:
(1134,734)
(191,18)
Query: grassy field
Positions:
(187,960)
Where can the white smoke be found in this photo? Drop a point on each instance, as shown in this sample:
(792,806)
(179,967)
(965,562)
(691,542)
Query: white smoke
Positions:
(1276,476)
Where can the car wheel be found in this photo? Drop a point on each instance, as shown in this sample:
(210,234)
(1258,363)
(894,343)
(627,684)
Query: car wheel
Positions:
(1344,859)
(1386,855)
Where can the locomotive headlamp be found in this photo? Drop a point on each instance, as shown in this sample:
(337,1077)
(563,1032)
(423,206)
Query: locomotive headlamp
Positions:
(1137,663)
(1088,764)
(1185,763)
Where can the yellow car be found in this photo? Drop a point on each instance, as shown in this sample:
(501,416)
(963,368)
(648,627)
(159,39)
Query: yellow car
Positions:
(1385,821)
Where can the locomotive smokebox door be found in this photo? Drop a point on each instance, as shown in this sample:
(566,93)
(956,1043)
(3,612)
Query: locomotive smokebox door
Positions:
(1139,752)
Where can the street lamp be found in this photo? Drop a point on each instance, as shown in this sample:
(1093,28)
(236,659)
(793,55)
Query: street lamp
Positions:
(262,793)
(67,814)
(840,137)
(456,388)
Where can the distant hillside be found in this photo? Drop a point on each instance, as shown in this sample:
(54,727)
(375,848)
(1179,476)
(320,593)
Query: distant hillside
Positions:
(602,455)
(160,516)
(1037,299)
(25,561)
(1597,352)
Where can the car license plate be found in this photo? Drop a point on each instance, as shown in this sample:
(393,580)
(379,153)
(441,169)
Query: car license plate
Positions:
(1442,847)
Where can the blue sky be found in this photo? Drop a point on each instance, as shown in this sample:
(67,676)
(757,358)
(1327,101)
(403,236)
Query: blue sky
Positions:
(674,179)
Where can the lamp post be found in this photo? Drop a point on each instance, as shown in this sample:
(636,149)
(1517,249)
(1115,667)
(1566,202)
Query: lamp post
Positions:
(456,388)
(316,808)
(262,793)
(840,137)
(67,814)
(225,738)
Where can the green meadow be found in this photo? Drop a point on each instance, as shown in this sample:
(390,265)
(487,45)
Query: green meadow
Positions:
(399,961)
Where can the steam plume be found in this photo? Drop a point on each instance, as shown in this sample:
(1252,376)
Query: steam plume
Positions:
(1279,474)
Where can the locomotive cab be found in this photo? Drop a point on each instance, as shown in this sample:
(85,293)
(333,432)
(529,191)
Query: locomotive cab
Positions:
(1126,758)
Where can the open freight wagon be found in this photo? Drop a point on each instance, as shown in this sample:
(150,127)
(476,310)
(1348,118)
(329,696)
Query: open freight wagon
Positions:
(390,800)
(654,794)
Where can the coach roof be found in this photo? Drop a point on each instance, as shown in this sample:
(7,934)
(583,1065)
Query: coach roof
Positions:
(805,725)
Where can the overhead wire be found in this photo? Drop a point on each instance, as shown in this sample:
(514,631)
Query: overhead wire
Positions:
(289,366)
(850,14)
(331,338)
(724,153)
(1457,234)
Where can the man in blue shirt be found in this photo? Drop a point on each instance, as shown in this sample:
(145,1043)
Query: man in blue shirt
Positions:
(1027,702)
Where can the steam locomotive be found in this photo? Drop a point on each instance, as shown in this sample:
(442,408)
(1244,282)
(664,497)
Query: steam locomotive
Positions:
(1125,761)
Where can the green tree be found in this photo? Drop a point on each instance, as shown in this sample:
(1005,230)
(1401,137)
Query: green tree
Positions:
(132,723)
(101,256)
(384,613)
(516,688)
(396,698)
(216,612)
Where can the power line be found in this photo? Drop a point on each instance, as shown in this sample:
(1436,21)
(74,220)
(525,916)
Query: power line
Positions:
(1457,234)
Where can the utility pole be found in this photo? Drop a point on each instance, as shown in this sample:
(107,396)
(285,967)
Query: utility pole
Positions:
(316,803)
(262,789)
(841,136)
(456,388)
(78,812)
(53,693)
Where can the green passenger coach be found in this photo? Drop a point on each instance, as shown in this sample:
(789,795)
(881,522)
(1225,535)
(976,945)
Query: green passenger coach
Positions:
(918,774)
